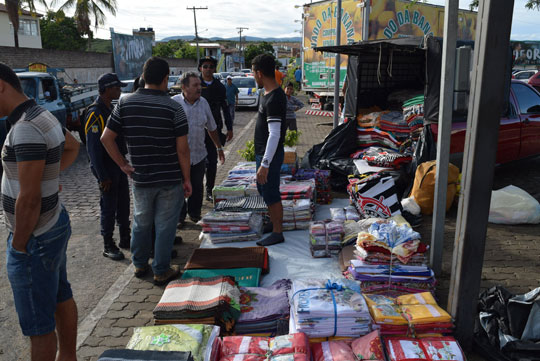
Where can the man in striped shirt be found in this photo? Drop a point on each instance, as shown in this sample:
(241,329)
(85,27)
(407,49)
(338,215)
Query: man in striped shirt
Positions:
(34,152)
(155,129)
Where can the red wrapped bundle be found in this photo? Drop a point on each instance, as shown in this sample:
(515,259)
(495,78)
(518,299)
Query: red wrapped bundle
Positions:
(429,348)
(245,348)
(368,347)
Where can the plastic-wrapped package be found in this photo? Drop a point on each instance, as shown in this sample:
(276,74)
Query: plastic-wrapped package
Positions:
(332,351)
(338,214)
(351,214)
(325,238)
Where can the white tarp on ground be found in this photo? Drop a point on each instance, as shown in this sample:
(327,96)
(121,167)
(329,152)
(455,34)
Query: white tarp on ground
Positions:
(292,259)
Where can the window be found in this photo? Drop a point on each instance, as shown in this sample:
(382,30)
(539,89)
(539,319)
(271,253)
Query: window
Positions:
(528,100)
(27,27)
(244,82)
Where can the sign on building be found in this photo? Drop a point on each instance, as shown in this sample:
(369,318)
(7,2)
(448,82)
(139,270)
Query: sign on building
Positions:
(129,53)
(526,52)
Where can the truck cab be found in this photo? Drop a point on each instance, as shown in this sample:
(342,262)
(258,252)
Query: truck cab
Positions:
(44,88)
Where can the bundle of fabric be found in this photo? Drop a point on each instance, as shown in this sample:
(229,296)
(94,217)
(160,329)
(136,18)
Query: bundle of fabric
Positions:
(408,314)
(369,120)
(229,257)
(368,347)
(227,191)
(281,348)
(394,123)
(297,190)
(413,113)
(327,308)
(367,137)
(201,340)
(264,310)
(348,213)
(243,204)
(383,157)
(242,168)
(297,214)
(322,183)
(374,196)
(429,348)
(213,300)
(252,190)
(325,238)
(134,355)
(223,227)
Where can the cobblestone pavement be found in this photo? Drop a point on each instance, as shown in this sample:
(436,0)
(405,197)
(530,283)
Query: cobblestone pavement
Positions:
(111,301)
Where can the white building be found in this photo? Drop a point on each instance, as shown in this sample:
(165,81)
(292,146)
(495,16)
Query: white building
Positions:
(29,33)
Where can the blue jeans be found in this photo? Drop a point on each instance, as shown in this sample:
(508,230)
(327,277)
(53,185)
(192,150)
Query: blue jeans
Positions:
(38,277)
(159,205)
(231,110)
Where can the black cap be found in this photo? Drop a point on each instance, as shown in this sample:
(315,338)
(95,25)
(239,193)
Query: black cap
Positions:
(109,80)
(207,58)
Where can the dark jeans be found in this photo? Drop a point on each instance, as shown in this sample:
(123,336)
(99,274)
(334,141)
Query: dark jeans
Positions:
(114,205)
(212,158)
(193,204)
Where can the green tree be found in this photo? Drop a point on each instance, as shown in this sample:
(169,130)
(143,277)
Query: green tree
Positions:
(531,4)
(14,7)
(186,52)
(167,50)
(86,9)
(253,50)
(60,32)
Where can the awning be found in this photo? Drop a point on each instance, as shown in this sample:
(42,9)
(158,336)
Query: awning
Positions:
(409,44)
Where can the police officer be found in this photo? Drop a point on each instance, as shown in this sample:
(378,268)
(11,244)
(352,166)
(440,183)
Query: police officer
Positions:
(113,183)
(214,92)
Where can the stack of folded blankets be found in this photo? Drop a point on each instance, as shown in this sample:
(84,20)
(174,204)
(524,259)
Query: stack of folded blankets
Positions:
(297,214)
(426,348)
(281,348)
(240,182)
(390,255)
(228,190)
(211,301)
(244,264)
(413,114)
(416,314)
(243,204)
(393,122)
(368,347)
(297,190)
(325,238)
(223,227)
(328,308)
(264,310)
(322,183)
(201,340)
(369,132)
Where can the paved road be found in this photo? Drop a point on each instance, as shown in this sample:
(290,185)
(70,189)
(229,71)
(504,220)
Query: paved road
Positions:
(90,274)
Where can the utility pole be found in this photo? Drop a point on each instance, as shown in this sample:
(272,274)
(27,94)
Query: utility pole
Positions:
(196,34)
(243,65)
(337,74)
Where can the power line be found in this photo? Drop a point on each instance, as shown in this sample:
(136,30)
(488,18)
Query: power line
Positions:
(241,49)
(196,34)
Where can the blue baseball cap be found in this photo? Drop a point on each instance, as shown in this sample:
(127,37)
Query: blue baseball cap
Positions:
(109,80)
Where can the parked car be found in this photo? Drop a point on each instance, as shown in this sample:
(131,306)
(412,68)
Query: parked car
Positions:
(172,80)
(524,74)
(237,73)
(534,81)
(245,71)
(248,95)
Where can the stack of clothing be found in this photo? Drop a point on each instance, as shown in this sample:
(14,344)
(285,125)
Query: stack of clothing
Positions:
(444,348)
(297,190)
(264,310)
(227,191)
(224,227)
(390,255)
(370,132)
(325,238)
(393,122)
(244,264)
(239,183)
(368,347)
(374,196)
(134,355)
(281,348)
(290,161)
(416,314)
(211,301)
(201,340)
(243,204)
(413,114)
(327,308)
(297,214)
(322,183)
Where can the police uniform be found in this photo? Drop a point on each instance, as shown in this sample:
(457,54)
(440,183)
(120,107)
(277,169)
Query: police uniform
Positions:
(114,202)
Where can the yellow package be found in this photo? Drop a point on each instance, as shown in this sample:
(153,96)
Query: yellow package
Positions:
(424,298)
(387,314)
(418,314)
(374,300)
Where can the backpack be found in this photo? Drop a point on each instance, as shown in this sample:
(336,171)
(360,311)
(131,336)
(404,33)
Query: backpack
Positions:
(423,189)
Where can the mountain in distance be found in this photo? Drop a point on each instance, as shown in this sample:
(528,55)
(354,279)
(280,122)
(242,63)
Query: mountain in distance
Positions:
(245,38)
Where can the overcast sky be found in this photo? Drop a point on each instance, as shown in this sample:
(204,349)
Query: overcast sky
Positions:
(266,18)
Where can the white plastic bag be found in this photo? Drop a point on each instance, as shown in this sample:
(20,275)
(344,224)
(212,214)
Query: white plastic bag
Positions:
(512,205)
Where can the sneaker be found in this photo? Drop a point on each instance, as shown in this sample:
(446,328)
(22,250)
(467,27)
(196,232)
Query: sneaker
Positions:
(195,219)
(209,197)
(172,273)
(112,252)
(181,224)
(141,272)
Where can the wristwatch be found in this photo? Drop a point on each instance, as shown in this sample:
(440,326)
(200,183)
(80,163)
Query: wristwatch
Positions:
(220,148)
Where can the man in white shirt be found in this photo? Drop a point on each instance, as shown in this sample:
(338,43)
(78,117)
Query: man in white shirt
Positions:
(200,121)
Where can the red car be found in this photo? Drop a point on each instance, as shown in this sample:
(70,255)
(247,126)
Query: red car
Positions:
(519,131)
(534,81)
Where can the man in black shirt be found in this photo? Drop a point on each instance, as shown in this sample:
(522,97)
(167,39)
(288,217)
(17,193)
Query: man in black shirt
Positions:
(269,134)
(214,92)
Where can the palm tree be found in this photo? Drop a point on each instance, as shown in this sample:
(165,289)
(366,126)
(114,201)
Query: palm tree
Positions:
(13,8)
(85,9)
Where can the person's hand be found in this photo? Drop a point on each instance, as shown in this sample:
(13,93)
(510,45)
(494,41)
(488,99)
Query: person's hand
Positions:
(262,175)
(229,135)
(187,188)
(128,169)
(105,186)
(221,156)
(19,246)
